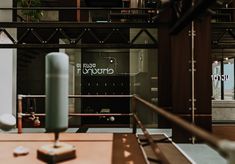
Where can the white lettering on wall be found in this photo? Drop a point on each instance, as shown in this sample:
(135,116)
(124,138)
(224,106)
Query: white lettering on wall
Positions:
(220,77)
(91,69)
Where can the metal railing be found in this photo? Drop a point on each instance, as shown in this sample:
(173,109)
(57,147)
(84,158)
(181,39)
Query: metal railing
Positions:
(109,13)
(225,147)
(20,114)
(73,31)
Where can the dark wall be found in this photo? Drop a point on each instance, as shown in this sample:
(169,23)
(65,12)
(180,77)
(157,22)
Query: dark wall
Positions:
(31,80)
(68,15)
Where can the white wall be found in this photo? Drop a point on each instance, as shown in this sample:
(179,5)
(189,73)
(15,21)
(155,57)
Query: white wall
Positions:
(6,15)
(7,90)
(7,67)
(223,110)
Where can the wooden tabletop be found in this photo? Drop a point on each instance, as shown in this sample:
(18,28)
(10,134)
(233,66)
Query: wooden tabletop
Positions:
(105,148)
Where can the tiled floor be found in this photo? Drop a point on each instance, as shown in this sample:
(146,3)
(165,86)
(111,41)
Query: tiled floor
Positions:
(199,153)
(202,154)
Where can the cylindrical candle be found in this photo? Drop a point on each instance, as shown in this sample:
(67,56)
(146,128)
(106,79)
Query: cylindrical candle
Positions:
(57,74)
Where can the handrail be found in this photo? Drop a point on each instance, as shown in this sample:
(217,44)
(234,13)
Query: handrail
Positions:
(76,8)
(230,8)
(78,96)
(225,147)
(81,114)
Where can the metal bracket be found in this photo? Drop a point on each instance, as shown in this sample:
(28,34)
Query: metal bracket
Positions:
(193,139)
(193,100)
(191,108)
(191,70)
(190,61)
(19,115)
(190,33)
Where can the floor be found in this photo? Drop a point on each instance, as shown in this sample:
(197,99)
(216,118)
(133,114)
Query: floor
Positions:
(199,153)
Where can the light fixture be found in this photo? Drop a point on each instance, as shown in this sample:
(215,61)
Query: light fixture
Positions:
(111,60)
(165,1)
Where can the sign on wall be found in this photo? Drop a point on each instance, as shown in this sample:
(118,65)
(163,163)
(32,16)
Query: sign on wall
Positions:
(220,77)
(92,69)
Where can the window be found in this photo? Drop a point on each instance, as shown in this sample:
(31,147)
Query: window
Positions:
(223,79)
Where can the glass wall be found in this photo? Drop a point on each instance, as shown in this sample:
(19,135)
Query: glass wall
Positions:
(134,72)
(223,79)
(216,84)
(229,79)
(223,89)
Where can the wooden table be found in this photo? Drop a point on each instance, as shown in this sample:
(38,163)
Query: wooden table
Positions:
(92,148)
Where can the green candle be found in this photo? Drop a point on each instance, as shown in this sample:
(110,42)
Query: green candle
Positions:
(57,73)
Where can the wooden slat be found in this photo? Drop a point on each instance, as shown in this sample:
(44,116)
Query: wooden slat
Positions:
(172,154)
(126,150)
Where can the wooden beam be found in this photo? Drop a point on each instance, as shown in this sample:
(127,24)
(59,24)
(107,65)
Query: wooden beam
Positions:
(78,11)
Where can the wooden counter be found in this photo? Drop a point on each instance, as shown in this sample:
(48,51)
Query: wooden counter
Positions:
(91,147)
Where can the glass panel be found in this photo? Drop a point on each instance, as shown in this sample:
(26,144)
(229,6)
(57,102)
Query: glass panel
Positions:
(216,83)
(144,72)
(229,79)
(105,72)
(144,81)
(74,84)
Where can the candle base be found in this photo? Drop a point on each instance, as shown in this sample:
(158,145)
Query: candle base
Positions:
(52,154)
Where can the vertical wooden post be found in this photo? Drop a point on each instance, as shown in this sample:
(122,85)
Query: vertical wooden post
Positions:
(182,81)
(78,11)
(133,103)
(19,114)
(164,67)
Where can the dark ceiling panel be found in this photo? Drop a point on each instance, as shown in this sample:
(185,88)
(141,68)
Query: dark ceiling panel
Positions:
(49,3)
